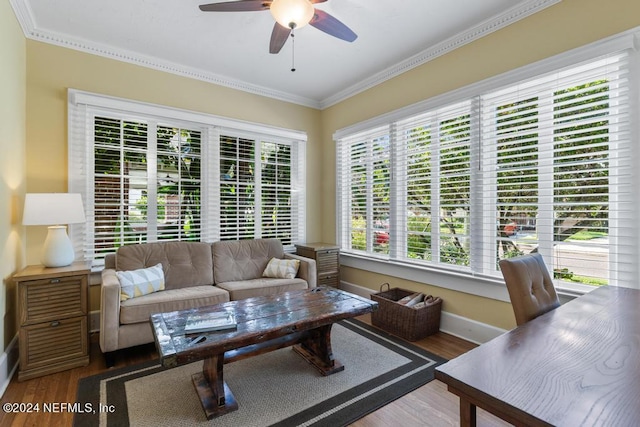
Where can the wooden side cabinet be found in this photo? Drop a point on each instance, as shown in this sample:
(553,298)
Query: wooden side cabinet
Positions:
(52,317)
(327,261)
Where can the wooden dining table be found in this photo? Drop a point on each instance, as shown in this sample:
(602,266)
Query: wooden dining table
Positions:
(578,365)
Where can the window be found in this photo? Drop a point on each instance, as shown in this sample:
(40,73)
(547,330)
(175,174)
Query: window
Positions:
(259,188)
(541,164)
(368,190)
(434,178)
(150,173)
(123,189)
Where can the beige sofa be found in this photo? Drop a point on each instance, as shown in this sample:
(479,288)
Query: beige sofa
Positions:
(195,274)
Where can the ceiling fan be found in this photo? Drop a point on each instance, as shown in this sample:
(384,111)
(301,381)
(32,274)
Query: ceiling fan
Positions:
(289,15)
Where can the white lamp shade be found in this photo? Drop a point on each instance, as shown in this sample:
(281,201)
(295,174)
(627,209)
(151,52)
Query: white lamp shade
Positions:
(292,13)
(53,209)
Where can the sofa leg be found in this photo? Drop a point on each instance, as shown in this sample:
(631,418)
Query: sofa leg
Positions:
(110,359)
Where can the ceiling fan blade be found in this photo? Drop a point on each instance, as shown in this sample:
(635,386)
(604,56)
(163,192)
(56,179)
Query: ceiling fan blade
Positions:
(237,6)
(279,37)
(332,26)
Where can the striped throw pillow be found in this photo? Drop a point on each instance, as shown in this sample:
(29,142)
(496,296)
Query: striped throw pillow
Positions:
(281,268)
(140,282)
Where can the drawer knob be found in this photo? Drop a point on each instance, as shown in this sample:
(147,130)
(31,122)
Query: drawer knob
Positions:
(54,281)
(54,324)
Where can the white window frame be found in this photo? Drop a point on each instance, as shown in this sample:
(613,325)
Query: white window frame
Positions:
(478,281)
(83,106)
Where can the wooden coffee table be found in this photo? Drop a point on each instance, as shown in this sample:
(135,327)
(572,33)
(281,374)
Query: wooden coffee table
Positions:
(301,319)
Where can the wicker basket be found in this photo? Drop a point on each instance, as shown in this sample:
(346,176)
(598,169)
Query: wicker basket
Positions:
(409,323)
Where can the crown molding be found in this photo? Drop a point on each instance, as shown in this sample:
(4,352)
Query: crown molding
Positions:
(485,28)
(516,13)
(31,31)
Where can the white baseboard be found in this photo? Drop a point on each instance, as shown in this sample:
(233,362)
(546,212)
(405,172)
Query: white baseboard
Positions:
(9,362)
(453,324)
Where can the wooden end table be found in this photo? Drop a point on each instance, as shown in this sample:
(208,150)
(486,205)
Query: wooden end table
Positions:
(52,311)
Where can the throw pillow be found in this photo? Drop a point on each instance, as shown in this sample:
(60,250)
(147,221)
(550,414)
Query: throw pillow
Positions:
(140,282)
(282,268)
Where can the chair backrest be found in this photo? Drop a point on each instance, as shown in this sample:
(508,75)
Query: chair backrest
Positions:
(530,286)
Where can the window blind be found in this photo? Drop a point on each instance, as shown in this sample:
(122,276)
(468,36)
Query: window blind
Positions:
(433,185)
(364,187)
(261,187)
(559,146)
(147,177)
(542,165)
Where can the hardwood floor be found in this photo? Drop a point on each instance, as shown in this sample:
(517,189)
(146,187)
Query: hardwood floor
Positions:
(430,405)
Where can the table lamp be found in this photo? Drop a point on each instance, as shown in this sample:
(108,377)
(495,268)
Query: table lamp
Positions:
(54,210)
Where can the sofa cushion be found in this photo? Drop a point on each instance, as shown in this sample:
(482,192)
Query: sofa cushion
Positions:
(136,283)
(185,264)
(236,260)
(259,287)
(282,268)
(140,309)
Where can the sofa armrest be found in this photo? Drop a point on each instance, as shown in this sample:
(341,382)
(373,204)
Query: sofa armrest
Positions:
(109,310)
(307,269)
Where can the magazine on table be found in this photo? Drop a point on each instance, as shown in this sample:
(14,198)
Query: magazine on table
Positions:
(205,322)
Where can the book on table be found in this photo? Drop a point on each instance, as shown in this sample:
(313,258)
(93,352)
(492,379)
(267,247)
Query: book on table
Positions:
(207,322)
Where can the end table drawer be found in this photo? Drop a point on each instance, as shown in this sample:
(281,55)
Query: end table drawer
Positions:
(327,261)
(53,299)
(53,342)
(331,280)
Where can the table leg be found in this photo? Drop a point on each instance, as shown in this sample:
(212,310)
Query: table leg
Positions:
(215,396)
(316,349)
(467,413)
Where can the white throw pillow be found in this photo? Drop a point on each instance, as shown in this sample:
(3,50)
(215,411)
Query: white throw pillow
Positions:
(282,268)
(140,282)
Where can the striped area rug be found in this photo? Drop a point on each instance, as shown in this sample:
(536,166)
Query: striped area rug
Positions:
(275,389)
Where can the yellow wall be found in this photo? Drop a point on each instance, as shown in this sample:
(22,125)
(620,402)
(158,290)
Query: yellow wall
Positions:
(564,26)
(12,164)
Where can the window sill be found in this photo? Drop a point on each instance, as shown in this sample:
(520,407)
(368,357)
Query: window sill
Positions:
(482,286)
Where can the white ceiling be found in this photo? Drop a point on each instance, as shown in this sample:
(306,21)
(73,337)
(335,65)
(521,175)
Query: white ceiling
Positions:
(231,49)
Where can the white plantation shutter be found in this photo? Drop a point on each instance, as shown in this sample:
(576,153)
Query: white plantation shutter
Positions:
(262,188)
(558,148)
(544,165)
(145,183)
(415,190)
(364,190)
(211,188)
(453,152)
(433,159)
(120,177)
(150,173)
(237,187)
(276,191)
(80,167)
(179,183)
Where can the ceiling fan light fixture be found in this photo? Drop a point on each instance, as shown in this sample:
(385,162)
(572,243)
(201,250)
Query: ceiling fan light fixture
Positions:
(292,13)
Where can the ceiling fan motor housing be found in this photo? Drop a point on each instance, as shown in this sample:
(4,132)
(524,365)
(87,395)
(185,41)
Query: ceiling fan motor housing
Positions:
(292,13)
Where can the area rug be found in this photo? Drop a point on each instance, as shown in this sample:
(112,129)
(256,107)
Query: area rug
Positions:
(276,389)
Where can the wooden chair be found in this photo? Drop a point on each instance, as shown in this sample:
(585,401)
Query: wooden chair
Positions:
(530,286)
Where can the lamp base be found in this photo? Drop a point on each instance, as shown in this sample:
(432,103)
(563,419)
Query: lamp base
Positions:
(57,250)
